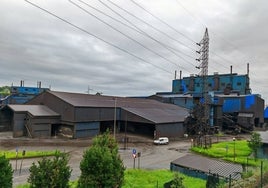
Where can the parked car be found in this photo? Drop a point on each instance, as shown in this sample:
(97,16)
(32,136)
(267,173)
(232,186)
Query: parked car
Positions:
(161,140)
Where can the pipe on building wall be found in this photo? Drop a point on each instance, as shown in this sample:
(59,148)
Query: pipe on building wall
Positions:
(231,81)
(216,81)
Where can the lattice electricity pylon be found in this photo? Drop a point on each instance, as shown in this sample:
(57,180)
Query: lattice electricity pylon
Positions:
(204,44)
(203,66)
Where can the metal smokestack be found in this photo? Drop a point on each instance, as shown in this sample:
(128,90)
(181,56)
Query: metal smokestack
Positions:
(247,68)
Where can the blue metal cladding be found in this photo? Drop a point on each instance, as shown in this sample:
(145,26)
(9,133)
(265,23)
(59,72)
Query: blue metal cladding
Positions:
(249,101)
(87,125)
(21,95)
(27,90)
(87,129)
(236,82)
(231,105)
(266,112)
(183,102)
(212,83)
(177,84)
(183,84)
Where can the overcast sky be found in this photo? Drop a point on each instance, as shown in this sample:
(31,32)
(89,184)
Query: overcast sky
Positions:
(129,47)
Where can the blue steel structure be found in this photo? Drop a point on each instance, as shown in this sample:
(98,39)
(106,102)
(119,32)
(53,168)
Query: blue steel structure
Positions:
(229,96)
(266,114)
(219,83)
(21,94)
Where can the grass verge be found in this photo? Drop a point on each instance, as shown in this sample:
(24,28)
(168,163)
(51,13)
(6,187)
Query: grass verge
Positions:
(28,154)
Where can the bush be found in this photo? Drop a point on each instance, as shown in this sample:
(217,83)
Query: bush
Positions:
(6,173)
(50,172)
(101,165)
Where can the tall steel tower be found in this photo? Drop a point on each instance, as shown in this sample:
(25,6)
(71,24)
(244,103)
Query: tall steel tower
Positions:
(203,66)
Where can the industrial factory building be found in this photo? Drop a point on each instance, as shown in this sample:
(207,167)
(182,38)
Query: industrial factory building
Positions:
(231,105)
(22,94)
(84,115)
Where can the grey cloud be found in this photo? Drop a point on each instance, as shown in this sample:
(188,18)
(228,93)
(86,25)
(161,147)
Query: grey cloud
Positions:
(35,46)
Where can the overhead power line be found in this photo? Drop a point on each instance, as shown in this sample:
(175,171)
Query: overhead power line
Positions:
(163,22)
(150,25)
(140,31)
(95,36)
(203,24)
(127,36)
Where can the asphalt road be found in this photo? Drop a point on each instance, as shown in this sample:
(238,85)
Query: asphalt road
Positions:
(152,157)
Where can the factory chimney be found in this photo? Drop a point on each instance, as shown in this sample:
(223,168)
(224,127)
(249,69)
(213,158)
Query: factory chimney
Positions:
(248,69)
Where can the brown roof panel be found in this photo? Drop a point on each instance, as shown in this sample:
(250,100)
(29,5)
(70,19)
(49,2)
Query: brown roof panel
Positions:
(87,100)
(35,110)
(152,110)
(160,115)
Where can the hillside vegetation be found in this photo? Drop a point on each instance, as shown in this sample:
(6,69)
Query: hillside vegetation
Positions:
(5,91)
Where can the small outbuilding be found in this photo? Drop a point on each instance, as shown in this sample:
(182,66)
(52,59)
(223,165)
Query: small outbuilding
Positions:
(202,167)
(31,120)
(263,150)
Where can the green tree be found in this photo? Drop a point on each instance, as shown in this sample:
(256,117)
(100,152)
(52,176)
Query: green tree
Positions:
(6,172)
(254,143)
(177,182)
(101,165)
(5,91)
(50,173)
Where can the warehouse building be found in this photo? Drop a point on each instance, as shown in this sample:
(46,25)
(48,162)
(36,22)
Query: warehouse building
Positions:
(31,120)
(84,115)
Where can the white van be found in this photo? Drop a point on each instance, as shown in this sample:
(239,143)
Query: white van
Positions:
(161,140)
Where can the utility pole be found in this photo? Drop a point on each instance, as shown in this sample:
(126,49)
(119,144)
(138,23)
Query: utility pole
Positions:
(114,117)
(203,66)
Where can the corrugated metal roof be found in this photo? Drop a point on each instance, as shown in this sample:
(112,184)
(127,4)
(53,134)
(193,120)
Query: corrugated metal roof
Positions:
(87,100)
(209,165)
(175,95)
(152,110)
(264,136)
(35,110)
(160,115)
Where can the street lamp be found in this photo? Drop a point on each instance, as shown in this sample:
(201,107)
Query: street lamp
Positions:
(234,147)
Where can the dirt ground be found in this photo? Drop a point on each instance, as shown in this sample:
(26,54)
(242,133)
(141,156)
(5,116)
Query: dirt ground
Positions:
(152,156)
